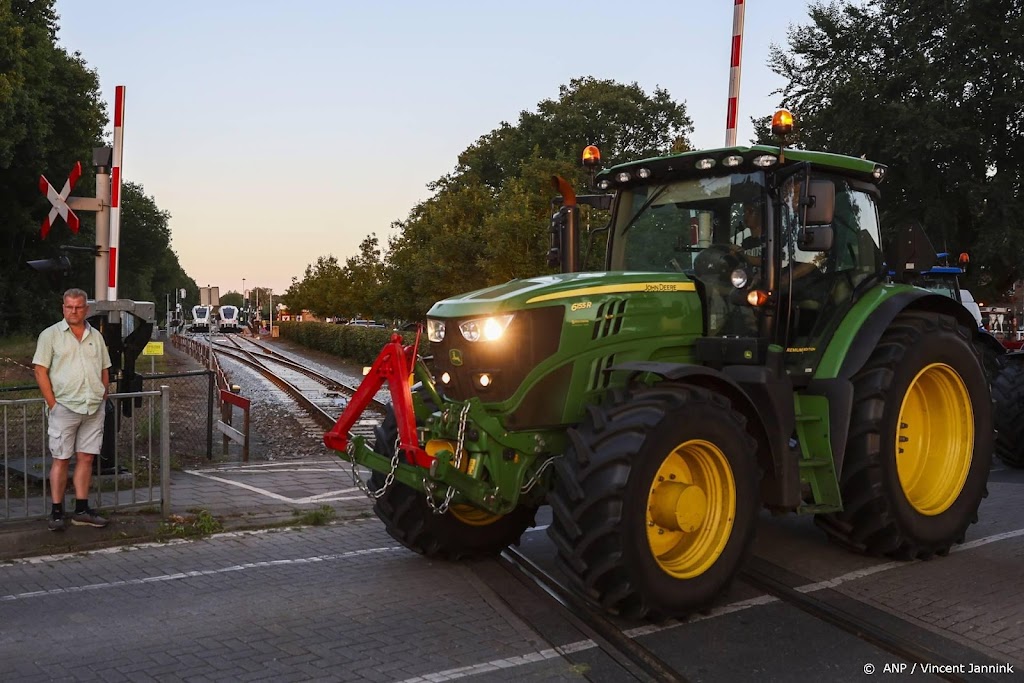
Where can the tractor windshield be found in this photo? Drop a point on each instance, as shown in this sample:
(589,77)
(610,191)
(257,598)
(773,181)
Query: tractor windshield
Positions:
(665,228)
(708,228)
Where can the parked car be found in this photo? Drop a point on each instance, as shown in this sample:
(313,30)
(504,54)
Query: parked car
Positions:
(365,323)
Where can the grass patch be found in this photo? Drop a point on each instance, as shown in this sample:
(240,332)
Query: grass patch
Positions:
(16,360)
(189,526)
(318,517)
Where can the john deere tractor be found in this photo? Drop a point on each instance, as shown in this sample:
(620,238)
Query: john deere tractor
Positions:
(742,349)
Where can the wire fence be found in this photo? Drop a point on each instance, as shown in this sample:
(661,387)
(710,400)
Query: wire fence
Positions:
(132,471)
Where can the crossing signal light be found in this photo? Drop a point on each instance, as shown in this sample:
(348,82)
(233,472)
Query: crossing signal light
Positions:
(60,264)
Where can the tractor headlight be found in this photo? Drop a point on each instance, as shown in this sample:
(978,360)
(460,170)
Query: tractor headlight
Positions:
(435,330)
(739,278)
(485,329)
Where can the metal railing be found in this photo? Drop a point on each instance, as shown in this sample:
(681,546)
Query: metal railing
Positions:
(134,471)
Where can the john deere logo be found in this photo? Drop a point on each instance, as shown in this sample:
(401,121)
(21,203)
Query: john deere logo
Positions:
(455,356)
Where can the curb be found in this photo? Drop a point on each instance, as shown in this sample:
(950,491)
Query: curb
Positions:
(30,538)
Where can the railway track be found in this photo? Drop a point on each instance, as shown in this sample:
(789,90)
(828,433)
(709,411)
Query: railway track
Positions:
(321,396)
(890,634)
(636,660)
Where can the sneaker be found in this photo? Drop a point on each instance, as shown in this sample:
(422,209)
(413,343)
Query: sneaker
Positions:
(56,523)
(88,518)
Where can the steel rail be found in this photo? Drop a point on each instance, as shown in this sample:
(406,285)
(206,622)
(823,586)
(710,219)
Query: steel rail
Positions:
(328,382)
(319,415)
(758,573)
(640,662)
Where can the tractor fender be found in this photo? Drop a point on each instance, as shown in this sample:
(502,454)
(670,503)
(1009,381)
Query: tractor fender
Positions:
(869,333)
(989,343)
(838,389)
(764,398)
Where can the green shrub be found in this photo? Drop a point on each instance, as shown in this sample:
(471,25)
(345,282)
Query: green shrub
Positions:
(350,342)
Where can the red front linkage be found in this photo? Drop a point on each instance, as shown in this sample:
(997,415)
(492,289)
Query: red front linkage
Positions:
(394,365)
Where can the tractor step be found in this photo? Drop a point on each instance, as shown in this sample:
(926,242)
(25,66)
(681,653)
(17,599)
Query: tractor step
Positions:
(815,462)
(818,509)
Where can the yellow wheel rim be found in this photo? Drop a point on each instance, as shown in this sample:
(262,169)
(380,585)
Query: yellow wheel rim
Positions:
(691,508)
(473,516)
(934,439)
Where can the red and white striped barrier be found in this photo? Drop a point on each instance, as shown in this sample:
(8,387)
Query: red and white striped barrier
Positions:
(732,112)
(115,193)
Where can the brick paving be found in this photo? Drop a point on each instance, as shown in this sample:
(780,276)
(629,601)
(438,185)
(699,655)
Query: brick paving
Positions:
(345,602)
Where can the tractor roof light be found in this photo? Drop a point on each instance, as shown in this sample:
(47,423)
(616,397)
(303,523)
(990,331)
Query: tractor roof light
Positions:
(878,172)
(782,123)
(643,173)
(623,177)
(705,164)
(591,156)
(732,160)
(765,160)
(604,184)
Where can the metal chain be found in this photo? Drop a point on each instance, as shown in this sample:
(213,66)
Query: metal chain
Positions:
(429,488)
(358,480)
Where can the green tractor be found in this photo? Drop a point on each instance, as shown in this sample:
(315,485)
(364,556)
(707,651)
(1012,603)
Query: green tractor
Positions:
(743,348)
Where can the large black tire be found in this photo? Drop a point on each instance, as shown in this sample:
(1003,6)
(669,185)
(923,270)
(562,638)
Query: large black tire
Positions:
(913,402)
(608,503)
(1008,395)
(462,532)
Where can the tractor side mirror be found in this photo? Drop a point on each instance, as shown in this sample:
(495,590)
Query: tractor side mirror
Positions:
(820,202)
(819,206)
(816,238)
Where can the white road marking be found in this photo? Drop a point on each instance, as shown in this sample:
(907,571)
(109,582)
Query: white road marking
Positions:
(328,496)
(191,574)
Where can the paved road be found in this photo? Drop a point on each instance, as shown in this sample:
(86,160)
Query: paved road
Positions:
(344,602)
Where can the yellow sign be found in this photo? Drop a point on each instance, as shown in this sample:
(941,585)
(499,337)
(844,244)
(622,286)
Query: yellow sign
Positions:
(153,349)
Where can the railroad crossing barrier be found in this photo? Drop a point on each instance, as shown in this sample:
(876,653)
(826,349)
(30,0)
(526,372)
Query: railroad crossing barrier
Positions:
(228,400)
(139,474)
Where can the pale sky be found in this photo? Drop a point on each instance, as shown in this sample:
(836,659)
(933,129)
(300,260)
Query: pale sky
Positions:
(278,132)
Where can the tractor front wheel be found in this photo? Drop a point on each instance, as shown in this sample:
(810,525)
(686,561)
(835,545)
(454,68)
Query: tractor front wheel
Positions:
(920,442)
(463,531)
(654,503)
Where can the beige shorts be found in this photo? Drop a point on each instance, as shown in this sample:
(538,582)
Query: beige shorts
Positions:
(72,432)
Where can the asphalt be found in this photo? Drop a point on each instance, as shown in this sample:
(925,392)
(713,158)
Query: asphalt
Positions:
(235,496)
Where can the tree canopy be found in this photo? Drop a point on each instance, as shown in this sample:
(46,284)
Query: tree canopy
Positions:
(487,220)
(51,115)
(936,92)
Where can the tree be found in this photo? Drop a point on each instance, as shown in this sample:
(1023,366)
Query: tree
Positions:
(50,117)
(933,90)
(487,221)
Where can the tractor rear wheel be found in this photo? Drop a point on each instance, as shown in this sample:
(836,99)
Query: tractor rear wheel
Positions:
(462,532)
(1008,394)
(654,503)
(920,442)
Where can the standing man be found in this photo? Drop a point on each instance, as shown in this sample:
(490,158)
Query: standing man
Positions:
(71,365)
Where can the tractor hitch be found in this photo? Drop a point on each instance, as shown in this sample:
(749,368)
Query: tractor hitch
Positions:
(393,366)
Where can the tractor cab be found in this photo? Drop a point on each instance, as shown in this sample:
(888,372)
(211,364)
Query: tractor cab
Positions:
(779,243)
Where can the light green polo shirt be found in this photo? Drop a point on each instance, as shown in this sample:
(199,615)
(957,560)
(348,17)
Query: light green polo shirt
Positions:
(75,367)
